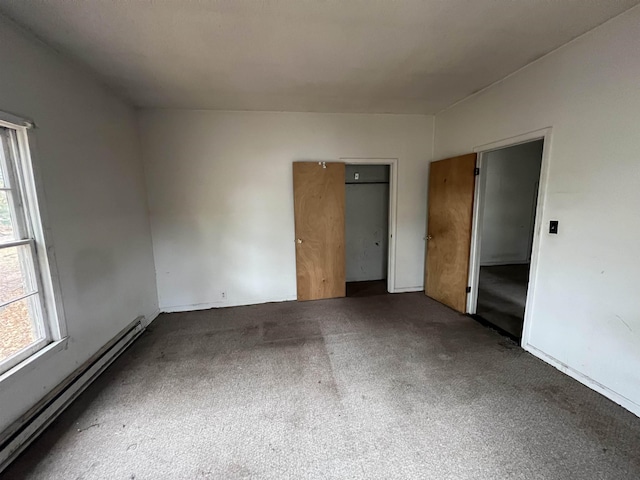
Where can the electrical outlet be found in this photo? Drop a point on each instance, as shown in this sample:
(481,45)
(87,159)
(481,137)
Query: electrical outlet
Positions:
(356,176)
(223,295)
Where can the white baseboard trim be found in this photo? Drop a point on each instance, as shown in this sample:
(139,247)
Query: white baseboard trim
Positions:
(26,429)
(224,304)
(408,289)
(621,400)
(252,301)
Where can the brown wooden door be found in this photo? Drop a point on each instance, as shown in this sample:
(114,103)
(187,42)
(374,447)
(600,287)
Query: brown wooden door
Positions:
(319,205)
(451,191)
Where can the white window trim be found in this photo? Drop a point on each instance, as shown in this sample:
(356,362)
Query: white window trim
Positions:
(42,247)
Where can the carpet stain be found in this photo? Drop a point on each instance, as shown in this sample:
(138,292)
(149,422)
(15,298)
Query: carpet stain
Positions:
(277,331)
(557,396)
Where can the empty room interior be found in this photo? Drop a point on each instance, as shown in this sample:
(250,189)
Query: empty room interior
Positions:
(319,239)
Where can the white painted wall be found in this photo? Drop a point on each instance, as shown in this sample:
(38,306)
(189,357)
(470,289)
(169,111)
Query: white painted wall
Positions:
(586,306)
(88,156)
(511,176)
(221,196)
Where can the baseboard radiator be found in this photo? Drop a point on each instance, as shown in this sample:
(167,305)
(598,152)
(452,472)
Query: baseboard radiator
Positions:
(28,427)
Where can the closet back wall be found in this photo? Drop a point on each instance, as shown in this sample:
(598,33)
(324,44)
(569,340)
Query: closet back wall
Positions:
(221,197)
(366,222)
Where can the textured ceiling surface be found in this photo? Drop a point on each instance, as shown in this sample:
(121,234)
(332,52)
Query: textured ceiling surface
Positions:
(382,56)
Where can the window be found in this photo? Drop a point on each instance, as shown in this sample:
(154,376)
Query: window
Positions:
(27,312)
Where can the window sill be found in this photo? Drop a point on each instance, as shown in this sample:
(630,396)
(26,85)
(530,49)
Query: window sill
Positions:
(33,361)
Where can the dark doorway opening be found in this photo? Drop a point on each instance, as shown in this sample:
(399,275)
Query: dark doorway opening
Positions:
(367,289)
(510,181)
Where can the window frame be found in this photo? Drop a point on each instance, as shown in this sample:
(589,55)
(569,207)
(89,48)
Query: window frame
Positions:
(27,200)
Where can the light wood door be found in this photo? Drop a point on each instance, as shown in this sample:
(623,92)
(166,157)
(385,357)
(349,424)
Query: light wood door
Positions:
(451,192)
(319,205)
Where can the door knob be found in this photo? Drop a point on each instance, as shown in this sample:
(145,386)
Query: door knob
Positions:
(428,237)
(299,240)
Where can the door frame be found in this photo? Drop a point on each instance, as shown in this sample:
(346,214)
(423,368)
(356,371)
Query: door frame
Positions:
(476,228)
(393,202)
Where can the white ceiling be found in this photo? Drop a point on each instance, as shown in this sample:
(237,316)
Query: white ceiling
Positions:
(410,56)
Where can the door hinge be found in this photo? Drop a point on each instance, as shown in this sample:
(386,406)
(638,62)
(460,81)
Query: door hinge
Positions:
(476,171)
(468,289)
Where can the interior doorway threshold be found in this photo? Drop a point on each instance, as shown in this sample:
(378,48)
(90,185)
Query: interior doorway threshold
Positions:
(369,288)
(483,321)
